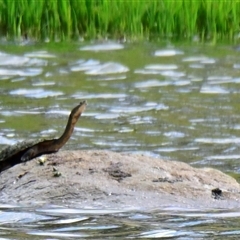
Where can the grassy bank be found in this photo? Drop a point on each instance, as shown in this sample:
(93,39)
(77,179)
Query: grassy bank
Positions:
(69,19)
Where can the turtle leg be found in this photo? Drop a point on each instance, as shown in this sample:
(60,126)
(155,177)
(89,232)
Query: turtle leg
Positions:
(28,155)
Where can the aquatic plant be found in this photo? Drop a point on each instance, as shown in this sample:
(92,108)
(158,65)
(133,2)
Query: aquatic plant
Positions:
(69,19)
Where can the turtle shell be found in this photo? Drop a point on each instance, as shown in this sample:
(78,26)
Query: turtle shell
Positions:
(11,155)
(12,150)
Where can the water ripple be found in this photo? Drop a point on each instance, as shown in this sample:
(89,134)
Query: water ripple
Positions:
(17,61)
(25,72)
(152,83)
(8,59)
(100,95)
(35,93)
(135,109)
(82,65)
(39,54)
(174,134)
(162,66)
(108,68)
(214,89)
(94,67)
(218,140)
(167,53)
(164,233)
(107,46)
(200,59)
(7,141)
(56,234)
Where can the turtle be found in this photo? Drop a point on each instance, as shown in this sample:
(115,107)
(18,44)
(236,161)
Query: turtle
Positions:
(29,149)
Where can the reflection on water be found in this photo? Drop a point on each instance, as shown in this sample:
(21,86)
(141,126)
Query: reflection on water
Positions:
(66,223)
(107,46)
(179,102)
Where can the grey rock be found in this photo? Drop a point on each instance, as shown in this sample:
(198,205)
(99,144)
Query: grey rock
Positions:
(107,179)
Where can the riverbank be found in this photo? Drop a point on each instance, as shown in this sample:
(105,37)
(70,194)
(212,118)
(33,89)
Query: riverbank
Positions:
(114,180)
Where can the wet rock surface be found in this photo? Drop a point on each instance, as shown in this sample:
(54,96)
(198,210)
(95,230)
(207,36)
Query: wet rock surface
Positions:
(108,179)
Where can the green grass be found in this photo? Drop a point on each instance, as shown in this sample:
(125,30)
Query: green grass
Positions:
(137,19)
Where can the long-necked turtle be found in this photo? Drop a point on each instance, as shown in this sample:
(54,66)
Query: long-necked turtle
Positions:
(27,150)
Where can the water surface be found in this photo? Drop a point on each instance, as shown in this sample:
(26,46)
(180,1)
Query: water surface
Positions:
(177,102)
(54,222)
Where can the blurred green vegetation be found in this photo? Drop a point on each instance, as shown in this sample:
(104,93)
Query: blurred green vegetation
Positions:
(137,19)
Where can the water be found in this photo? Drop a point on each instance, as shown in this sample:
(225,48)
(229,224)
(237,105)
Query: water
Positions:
(173,101)
(53,222)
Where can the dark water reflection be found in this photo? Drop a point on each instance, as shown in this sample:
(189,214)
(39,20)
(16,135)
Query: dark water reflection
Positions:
(177,102)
